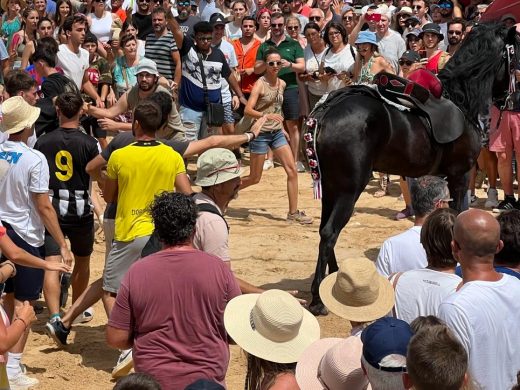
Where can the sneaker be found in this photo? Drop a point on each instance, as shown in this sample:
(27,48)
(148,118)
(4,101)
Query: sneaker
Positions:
(300,167)
(57,331)
(404,213)
(492,198)
(300,217)
(509,203)
(124,364)
(22,382)
(85,317)
(268,164)
(473,200)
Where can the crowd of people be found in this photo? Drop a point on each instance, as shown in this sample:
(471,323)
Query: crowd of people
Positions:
(124,92)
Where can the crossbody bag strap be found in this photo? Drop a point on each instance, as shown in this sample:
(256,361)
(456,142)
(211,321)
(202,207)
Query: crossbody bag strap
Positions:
(322,63)
(203,77)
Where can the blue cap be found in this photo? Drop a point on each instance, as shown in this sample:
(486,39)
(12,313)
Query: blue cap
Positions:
(385,337)
(366,37)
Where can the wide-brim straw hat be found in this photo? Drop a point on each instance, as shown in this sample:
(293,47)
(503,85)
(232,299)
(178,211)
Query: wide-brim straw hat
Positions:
(17,114)
(23,4)
(333,364)
(357,292)
(272,326)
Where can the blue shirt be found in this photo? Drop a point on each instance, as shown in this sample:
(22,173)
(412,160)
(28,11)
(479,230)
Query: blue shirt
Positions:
(498,268)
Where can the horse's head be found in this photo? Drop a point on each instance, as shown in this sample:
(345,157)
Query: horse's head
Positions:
(481,70)
(505,78)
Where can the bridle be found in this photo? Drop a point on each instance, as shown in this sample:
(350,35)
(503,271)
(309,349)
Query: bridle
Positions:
(510,56)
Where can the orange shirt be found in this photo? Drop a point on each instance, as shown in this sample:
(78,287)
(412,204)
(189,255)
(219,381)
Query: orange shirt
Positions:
(246,60)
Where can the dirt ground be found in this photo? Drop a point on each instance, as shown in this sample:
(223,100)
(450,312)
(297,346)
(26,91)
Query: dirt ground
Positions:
(265,250)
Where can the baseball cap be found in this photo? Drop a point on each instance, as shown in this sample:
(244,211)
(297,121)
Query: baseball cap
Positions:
(415,31)
(385,337)
(216,166)
(147,65)
(411,55)
(217,19)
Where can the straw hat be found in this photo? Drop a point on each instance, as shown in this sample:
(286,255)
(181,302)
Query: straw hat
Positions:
(17,115)
(272,326)
(23,4)
(333,364)
(357,292)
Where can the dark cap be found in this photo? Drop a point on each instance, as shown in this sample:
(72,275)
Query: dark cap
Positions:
(386,336)
(204,384)
(217,19)
(415,31)
(413,19)
(433,28)
(411,55)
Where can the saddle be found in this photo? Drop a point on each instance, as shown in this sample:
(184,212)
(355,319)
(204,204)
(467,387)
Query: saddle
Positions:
(445,119)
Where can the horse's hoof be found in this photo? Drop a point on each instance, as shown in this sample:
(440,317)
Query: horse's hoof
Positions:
(318,309)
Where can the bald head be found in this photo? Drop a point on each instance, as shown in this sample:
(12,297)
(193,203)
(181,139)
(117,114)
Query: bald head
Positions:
(477,233)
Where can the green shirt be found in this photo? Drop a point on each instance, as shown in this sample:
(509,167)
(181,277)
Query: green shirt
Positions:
(290,50)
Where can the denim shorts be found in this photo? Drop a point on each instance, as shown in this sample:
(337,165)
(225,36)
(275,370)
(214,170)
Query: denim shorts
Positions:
(228,113)
(264,141)
(192,121)
(291,104)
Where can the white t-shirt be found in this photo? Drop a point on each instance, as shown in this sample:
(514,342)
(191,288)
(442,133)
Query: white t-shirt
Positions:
(392,47)
(312,64)
(403,252)
(485,316)
(231,58)
(233,32)
(73,64)
(341,61)
(420,292)
(28,173)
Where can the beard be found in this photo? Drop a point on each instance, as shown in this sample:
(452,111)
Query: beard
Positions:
(454,41)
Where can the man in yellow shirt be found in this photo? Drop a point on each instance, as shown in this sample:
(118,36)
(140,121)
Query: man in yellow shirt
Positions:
(136,173)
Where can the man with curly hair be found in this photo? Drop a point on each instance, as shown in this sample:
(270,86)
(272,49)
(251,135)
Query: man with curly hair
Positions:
(181,336)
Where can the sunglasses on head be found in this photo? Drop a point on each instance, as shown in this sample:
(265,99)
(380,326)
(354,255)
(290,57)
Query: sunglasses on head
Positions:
(273,63)
(405,62)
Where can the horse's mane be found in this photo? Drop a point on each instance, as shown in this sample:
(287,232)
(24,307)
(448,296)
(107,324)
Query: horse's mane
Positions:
(468,76)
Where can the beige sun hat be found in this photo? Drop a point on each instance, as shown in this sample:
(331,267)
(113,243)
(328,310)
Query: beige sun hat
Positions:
(17,114)
(333,364)
(272,326)
(357,292)
(216,166)
(23,4)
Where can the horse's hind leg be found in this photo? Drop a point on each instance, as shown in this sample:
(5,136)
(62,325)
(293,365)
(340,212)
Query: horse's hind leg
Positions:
(337,208)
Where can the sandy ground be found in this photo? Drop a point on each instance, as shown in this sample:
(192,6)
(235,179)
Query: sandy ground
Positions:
(265,250)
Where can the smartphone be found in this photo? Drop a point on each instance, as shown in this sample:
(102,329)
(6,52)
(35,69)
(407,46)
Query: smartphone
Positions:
(374,18)
(330,70)
(422,53)
(358,9)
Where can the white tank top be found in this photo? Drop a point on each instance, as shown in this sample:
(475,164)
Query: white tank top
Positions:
(101,27)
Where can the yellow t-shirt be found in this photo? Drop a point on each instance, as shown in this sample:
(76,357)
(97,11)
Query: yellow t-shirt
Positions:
(142,170)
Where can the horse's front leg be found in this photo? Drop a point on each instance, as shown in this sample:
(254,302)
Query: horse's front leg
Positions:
(458,186)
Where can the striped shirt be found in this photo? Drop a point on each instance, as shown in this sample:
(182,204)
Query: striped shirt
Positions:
(159,49)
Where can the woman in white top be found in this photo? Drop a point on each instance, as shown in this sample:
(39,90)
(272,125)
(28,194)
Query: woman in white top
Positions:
(313,55)
(101,22)
(420,292)
(129,28)
(338,59)
(234,29)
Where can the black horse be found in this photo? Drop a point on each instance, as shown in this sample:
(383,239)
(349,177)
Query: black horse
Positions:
(363,134)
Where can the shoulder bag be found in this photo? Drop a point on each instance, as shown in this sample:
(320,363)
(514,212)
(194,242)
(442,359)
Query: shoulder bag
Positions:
(214,111)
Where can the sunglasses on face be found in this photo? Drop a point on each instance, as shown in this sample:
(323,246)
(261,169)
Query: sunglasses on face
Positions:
(292,28)
(273,63)
(333,33)
(183,4)
(445,6)
(417,7)
(277,25)
(313,18)
(348,18)
(144,1)
(451,32)
(405,62)
(205,39)
(411,24)
(404,16)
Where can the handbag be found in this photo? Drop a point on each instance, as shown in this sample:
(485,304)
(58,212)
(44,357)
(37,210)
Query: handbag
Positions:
(214,111)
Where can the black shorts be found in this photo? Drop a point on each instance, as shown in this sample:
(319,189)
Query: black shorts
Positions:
(81,239)
(28,282)
(91,127)
(291,105)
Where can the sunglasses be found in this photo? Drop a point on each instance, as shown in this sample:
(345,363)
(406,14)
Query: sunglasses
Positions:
(312,18)
(445,5)
(98,1)
(277,25)
(285,1)
(411,24)
(348,18)
(205,39)
(186,4)
(451,32)
(273,63)
(405,62)
(404,16)
(292,28)
(417,7)
(333,33)
(144,1)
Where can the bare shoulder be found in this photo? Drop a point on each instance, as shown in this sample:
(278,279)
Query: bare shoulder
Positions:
(285,381)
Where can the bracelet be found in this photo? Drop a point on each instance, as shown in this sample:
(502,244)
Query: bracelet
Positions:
(250,134)
(21,319)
